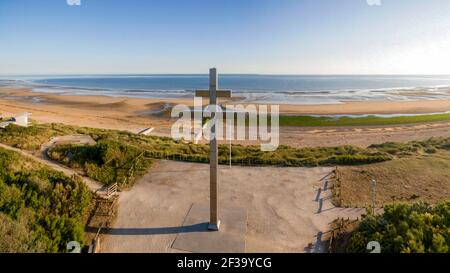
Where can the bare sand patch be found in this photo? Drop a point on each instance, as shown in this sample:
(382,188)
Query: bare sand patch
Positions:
(285,213)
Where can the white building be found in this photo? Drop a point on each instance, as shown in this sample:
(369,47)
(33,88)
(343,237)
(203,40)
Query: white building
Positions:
(20,120)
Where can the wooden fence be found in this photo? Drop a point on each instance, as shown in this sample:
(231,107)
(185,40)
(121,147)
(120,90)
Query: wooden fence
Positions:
(342,224)
(252,162)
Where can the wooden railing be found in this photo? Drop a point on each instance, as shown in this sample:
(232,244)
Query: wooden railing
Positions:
(112,190)
(132,168)
(96,245)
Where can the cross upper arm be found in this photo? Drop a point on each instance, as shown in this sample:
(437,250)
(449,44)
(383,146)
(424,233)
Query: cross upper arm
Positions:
(220,93)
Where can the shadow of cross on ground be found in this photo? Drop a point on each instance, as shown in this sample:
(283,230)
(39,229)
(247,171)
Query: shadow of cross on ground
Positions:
(202,227)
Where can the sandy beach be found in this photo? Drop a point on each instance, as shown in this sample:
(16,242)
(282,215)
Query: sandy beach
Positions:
(141,106)
(134,115)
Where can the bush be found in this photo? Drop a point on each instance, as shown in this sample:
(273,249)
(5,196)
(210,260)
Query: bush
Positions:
(108,161)
(39,184)
(429,146)
(41,210)
(27,138)
(16,237)
(418,228)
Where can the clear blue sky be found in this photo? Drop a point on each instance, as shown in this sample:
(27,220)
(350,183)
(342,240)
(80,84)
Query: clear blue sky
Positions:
(237,36)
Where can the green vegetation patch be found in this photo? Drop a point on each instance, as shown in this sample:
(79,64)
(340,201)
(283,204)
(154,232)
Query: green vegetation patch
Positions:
(304,157)
(311,121)
(403,228)
(108,161)
(31,138)
(41,210)
(429,146)
(167,148)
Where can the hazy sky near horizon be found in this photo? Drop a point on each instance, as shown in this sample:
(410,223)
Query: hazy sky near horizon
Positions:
(237,36)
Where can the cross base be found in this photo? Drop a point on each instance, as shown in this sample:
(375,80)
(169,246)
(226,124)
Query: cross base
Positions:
(200,239)
(214,227)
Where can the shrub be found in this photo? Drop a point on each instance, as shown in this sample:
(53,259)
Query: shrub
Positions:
(108,161)
(416,228)
(41,210)
(16,237)
(27,138)
(39,184)
(431,145)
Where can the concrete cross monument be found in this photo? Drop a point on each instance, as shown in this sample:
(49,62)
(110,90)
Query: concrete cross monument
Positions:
(213,94)
(231,238)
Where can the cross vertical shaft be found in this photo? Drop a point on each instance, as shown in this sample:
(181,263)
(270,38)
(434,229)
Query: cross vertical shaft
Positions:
(214,222)
(213,94)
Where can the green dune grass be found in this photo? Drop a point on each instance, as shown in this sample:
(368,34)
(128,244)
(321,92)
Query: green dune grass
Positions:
(311,121)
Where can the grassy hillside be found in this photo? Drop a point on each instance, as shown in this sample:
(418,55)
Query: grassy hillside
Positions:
(160,147)
(121,154)
(40,210)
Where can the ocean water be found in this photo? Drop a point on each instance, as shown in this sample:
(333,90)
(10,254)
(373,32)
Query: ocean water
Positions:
(280,89)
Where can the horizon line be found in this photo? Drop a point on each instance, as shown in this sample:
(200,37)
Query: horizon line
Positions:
(226,74)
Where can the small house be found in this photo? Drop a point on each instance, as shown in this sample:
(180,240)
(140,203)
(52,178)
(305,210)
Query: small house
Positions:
(19,120)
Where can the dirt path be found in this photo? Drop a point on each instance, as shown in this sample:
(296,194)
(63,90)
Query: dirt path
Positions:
(362,136)
(288,208)
(93,185)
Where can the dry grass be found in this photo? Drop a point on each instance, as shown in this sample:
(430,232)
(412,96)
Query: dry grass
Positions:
(412,179)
